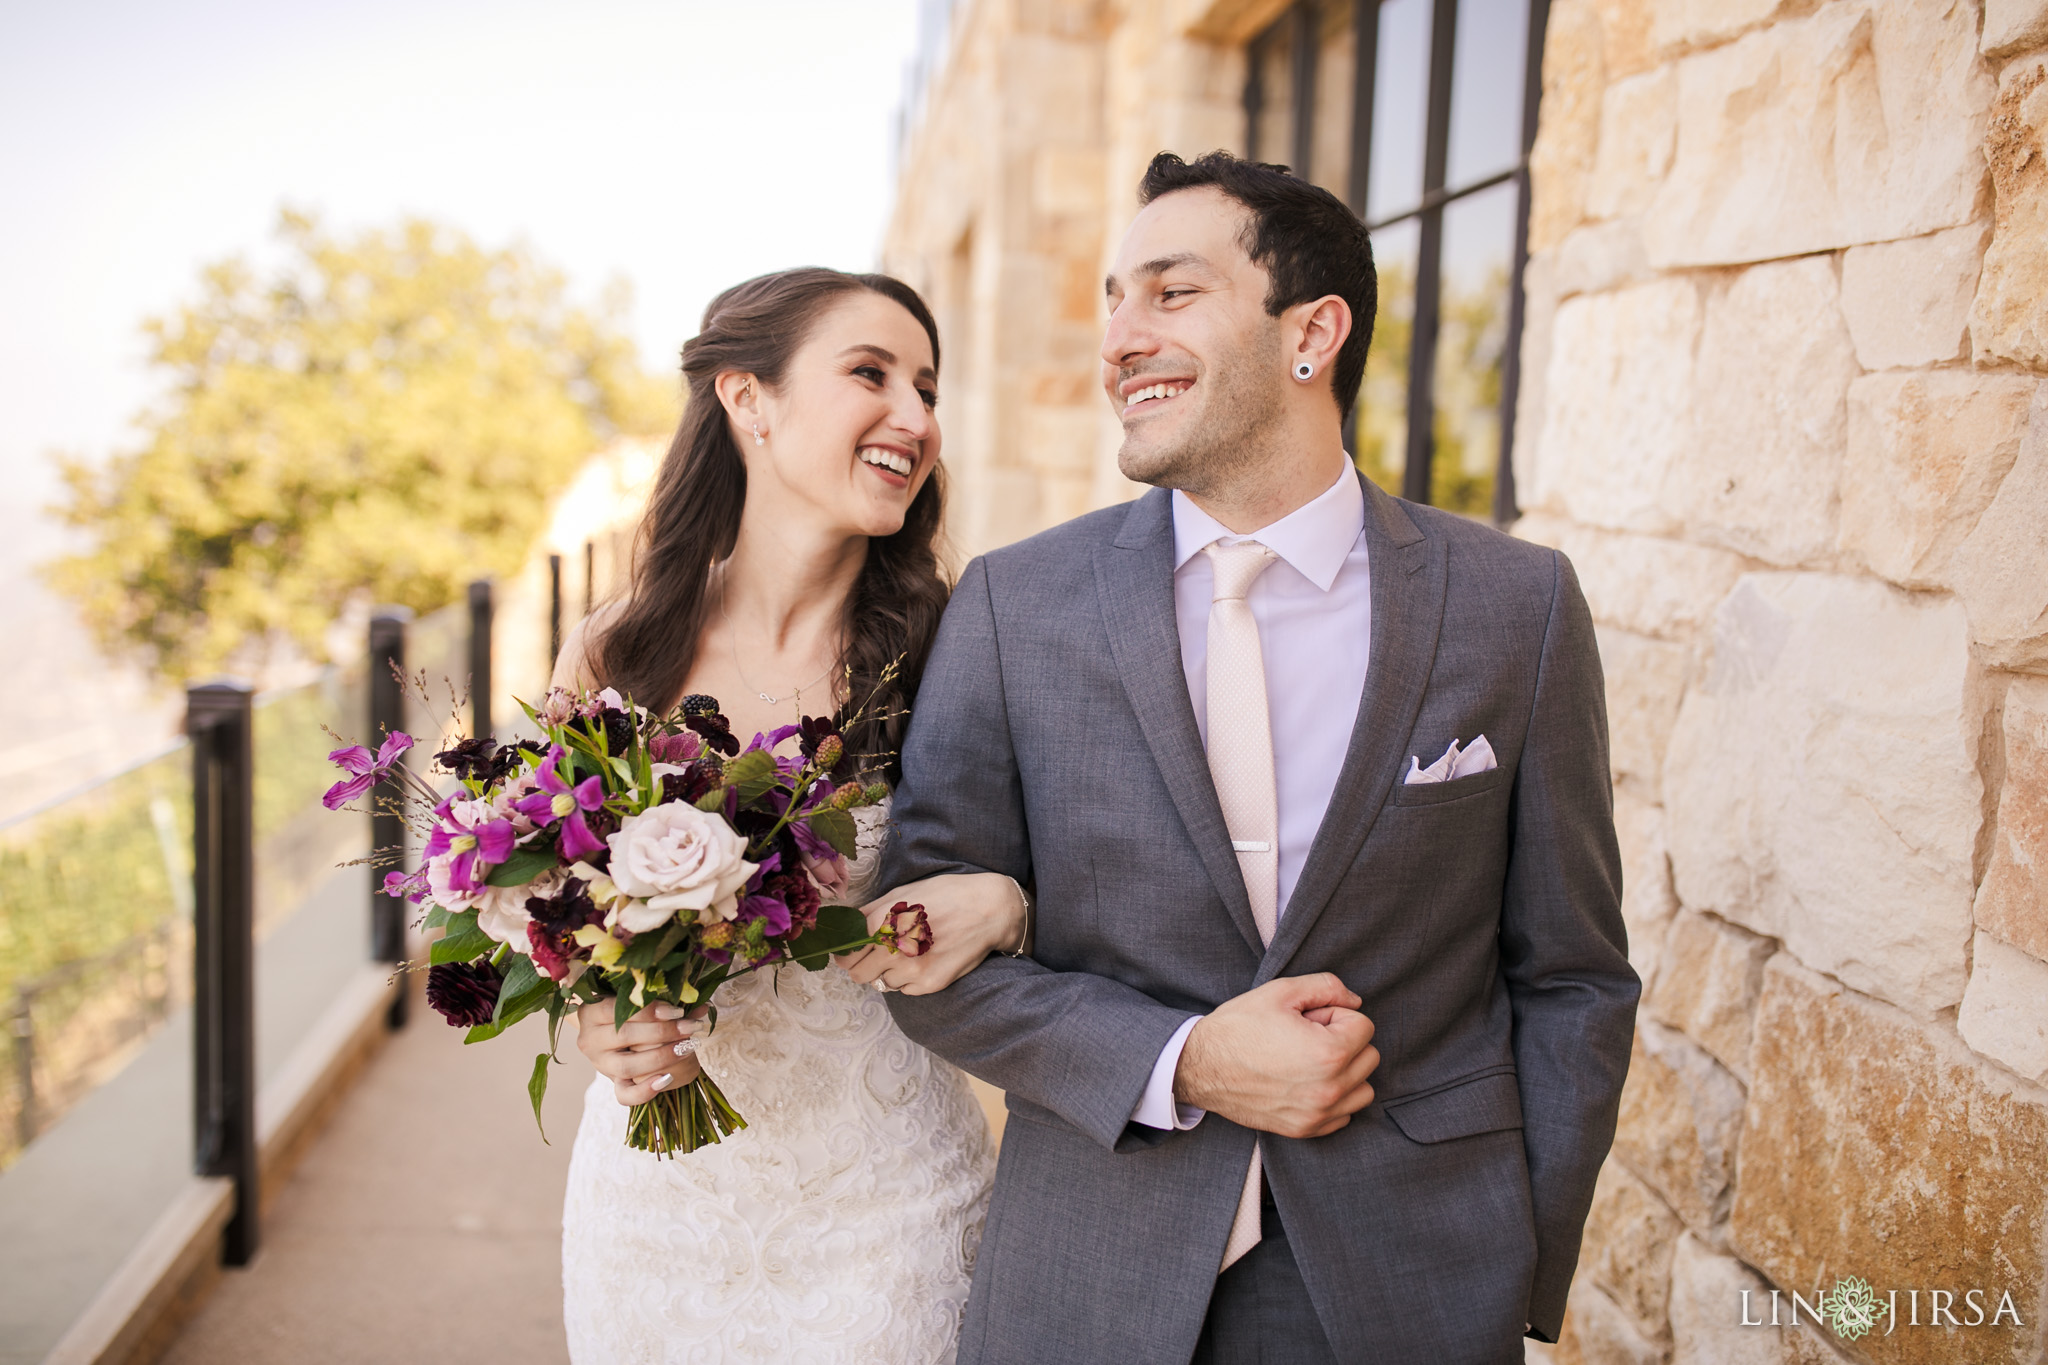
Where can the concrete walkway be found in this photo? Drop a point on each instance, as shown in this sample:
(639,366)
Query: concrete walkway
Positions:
(423,1225)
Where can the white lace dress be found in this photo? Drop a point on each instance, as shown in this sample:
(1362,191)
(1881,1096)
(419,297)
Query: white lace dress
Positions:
(839,1226)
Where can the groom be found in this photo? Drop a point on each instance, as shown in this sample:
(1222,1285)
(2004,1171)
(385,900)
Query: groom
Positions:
(1321,1039)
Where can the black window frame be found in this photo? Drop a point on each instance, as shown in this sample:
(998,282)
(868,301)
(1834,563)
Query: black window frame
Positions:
(1300,27)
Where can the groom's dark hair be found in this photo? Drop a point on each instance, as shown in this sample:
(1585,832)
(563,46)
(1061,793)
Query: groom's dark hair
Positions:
(1305,238)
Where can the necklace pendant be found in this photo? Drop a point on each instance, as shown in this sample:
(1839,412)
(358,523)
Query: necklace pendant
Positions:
(772,701)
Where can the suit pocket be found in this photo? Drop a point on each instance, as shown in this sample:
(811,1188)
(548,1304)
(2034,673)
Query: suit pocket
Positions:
(1434,793)
(1485,1104)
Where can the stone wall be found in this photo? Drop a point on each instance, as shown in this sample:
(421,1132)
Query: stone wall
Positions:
(1788,332)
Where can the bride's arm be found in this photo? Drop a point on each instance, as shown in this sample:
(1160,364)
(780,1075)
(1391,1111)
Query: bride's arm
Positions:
(972,915)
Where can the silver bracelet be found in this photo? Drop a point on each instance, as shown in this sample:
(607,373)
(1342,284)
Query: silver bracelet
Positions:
(1023,939)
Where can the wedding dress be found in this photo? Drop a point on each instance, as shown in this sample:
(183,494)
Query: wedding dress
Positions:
(839,1226)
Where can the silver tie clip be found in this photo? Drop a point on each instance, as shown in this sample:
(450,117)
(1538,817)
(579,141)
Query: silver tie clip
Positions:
(1250,846)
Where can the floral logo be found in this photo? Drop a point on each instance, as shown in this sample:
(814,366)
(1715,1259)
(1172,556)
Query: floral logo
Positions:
(1852,1307)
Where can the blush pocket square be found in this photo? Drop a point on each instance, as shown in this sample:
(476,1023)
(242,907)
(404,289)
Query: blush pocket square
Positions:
(1476,757)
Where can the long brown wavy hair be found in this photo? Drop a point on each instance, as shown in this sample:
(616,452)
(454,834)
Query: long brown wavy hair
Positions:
(693,520)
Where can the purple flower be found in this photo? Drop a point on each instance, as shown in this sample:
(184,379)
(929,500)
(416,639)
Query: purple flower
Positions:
(557,800)
(410,886)
(773,914)
(470,841)
(368,770)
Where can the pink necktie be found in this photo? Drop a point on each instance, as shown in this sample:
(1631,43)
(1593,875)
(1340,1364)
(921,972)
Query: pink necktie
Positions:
(1241,765)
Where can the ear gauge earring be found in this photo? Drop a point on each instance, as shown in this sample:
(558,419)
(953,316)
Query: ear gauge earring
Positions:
(759,439)
(1304,371)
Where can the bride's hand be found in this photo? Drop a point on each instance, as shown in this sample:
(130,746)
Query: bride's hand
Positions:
(972,915)
(640,1057)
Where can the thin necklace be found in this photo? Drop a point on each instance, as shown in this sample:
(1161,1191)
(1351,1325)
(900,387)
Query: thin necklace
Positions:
(731,638)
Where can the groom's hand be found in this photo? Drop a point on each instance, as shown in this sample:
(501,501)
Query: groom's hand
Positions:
(1292,1057)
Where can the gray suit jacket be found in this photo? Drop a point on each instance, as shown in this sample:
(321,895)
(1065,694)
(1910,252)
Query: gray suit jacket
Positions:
(1479,919)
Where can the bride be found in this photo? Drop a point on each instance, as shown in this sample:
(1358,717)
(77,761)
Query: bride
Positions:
(786,560)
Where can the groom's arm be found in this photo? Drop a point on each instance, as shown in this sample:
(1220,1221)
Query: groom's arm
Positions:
(1080,1045)
(1564,953)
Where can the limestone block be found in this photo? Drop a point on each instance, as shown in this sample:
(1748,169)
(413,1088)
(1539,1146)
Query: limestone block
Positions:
(1680,1122)
(1645,683)
(2013,902)
(1759,475)
(1878,1146)
(1647,903)
(1568,121)
(1628,1242)
(2005,1008)
(1676,25)
(1597,256)
(2009,320)
(2001,570)
(1624,37)
(1638,119)
(1861,123)
(1908,303)
(1706,1315)
(1708,986)
(1652,586)
(1618,404)
(1598,1331)
(2014,26)
(1927,452)
(1819,789)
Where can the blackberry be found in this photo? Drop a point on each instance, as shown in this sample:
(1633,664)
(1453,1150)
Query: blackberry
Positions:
(697,704)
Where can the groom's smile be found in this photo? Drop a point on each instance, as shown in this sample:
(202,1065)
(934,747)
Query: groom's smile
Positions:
(1144,393)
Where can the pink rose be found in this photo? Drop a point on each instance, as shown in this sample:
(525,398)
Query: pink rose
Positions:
(675,857)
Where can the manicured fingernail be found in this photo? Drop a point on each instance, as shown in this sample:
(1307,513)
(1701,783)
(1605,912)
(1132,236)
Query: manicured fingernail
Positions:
(659,1082)
(668,1011)
(686,1047)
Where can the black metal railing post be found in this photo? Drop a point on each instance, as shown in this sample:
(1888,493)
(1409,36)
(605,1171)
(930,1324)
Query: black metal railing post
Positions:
(387,826)
(554,609)
(219,717)
(480,609)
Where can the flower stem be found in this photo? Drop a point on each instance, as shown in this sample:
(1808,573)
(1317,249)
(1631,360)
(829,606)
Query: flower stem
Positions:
(683,1119)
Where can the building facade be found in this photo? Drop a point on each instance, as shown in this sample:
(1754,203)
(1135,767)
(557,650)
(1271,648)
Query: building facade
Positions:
(1744,306)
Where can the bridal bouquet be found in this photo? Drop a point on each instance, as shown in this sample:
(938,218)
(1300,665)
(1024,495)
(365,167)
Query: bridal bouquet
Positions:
(632,858)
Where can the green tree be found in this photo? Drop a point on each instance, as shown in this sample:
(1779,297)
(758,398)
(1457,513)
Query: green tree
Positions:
(380,418)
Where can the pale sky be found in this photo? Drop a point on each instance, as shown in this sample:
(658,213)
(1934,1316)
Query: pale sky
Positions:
(682,145)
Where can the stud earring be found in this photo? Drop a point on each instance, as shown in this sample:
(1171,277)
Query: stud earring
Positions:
(759,439)
(1304,371)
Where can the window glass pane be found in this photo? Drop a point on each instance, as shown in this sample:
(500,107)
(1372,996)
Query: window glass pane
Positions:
(1400,108)
(1479,239)
(1486,89)
(1382,420)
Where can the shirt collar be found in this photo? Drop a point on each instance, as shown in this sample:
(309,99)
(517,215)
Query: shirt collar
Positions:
(1314,538)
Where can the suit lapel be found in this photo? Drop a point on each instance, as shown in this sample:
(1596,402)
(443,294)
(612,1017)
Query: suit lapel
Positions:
(1134,582)
(1408,584)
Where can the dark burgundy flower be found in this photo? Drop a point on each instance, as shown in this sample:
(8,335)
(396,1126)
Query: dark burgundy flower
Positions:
(552,929)
(618,730)
(796,891)
(481,758)
(701,714)
(465,993)
(691,783)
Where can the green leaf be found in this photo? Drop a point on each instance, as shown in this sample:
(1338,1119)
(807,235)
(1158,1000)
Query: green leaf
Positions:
(536,1090)
(462,947)
(836,828)
(648,949)
(840,929)
(511,1012)
(520,978)
(437,917)
(527,862)
(623,1009)
(711,802)
(753,772)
